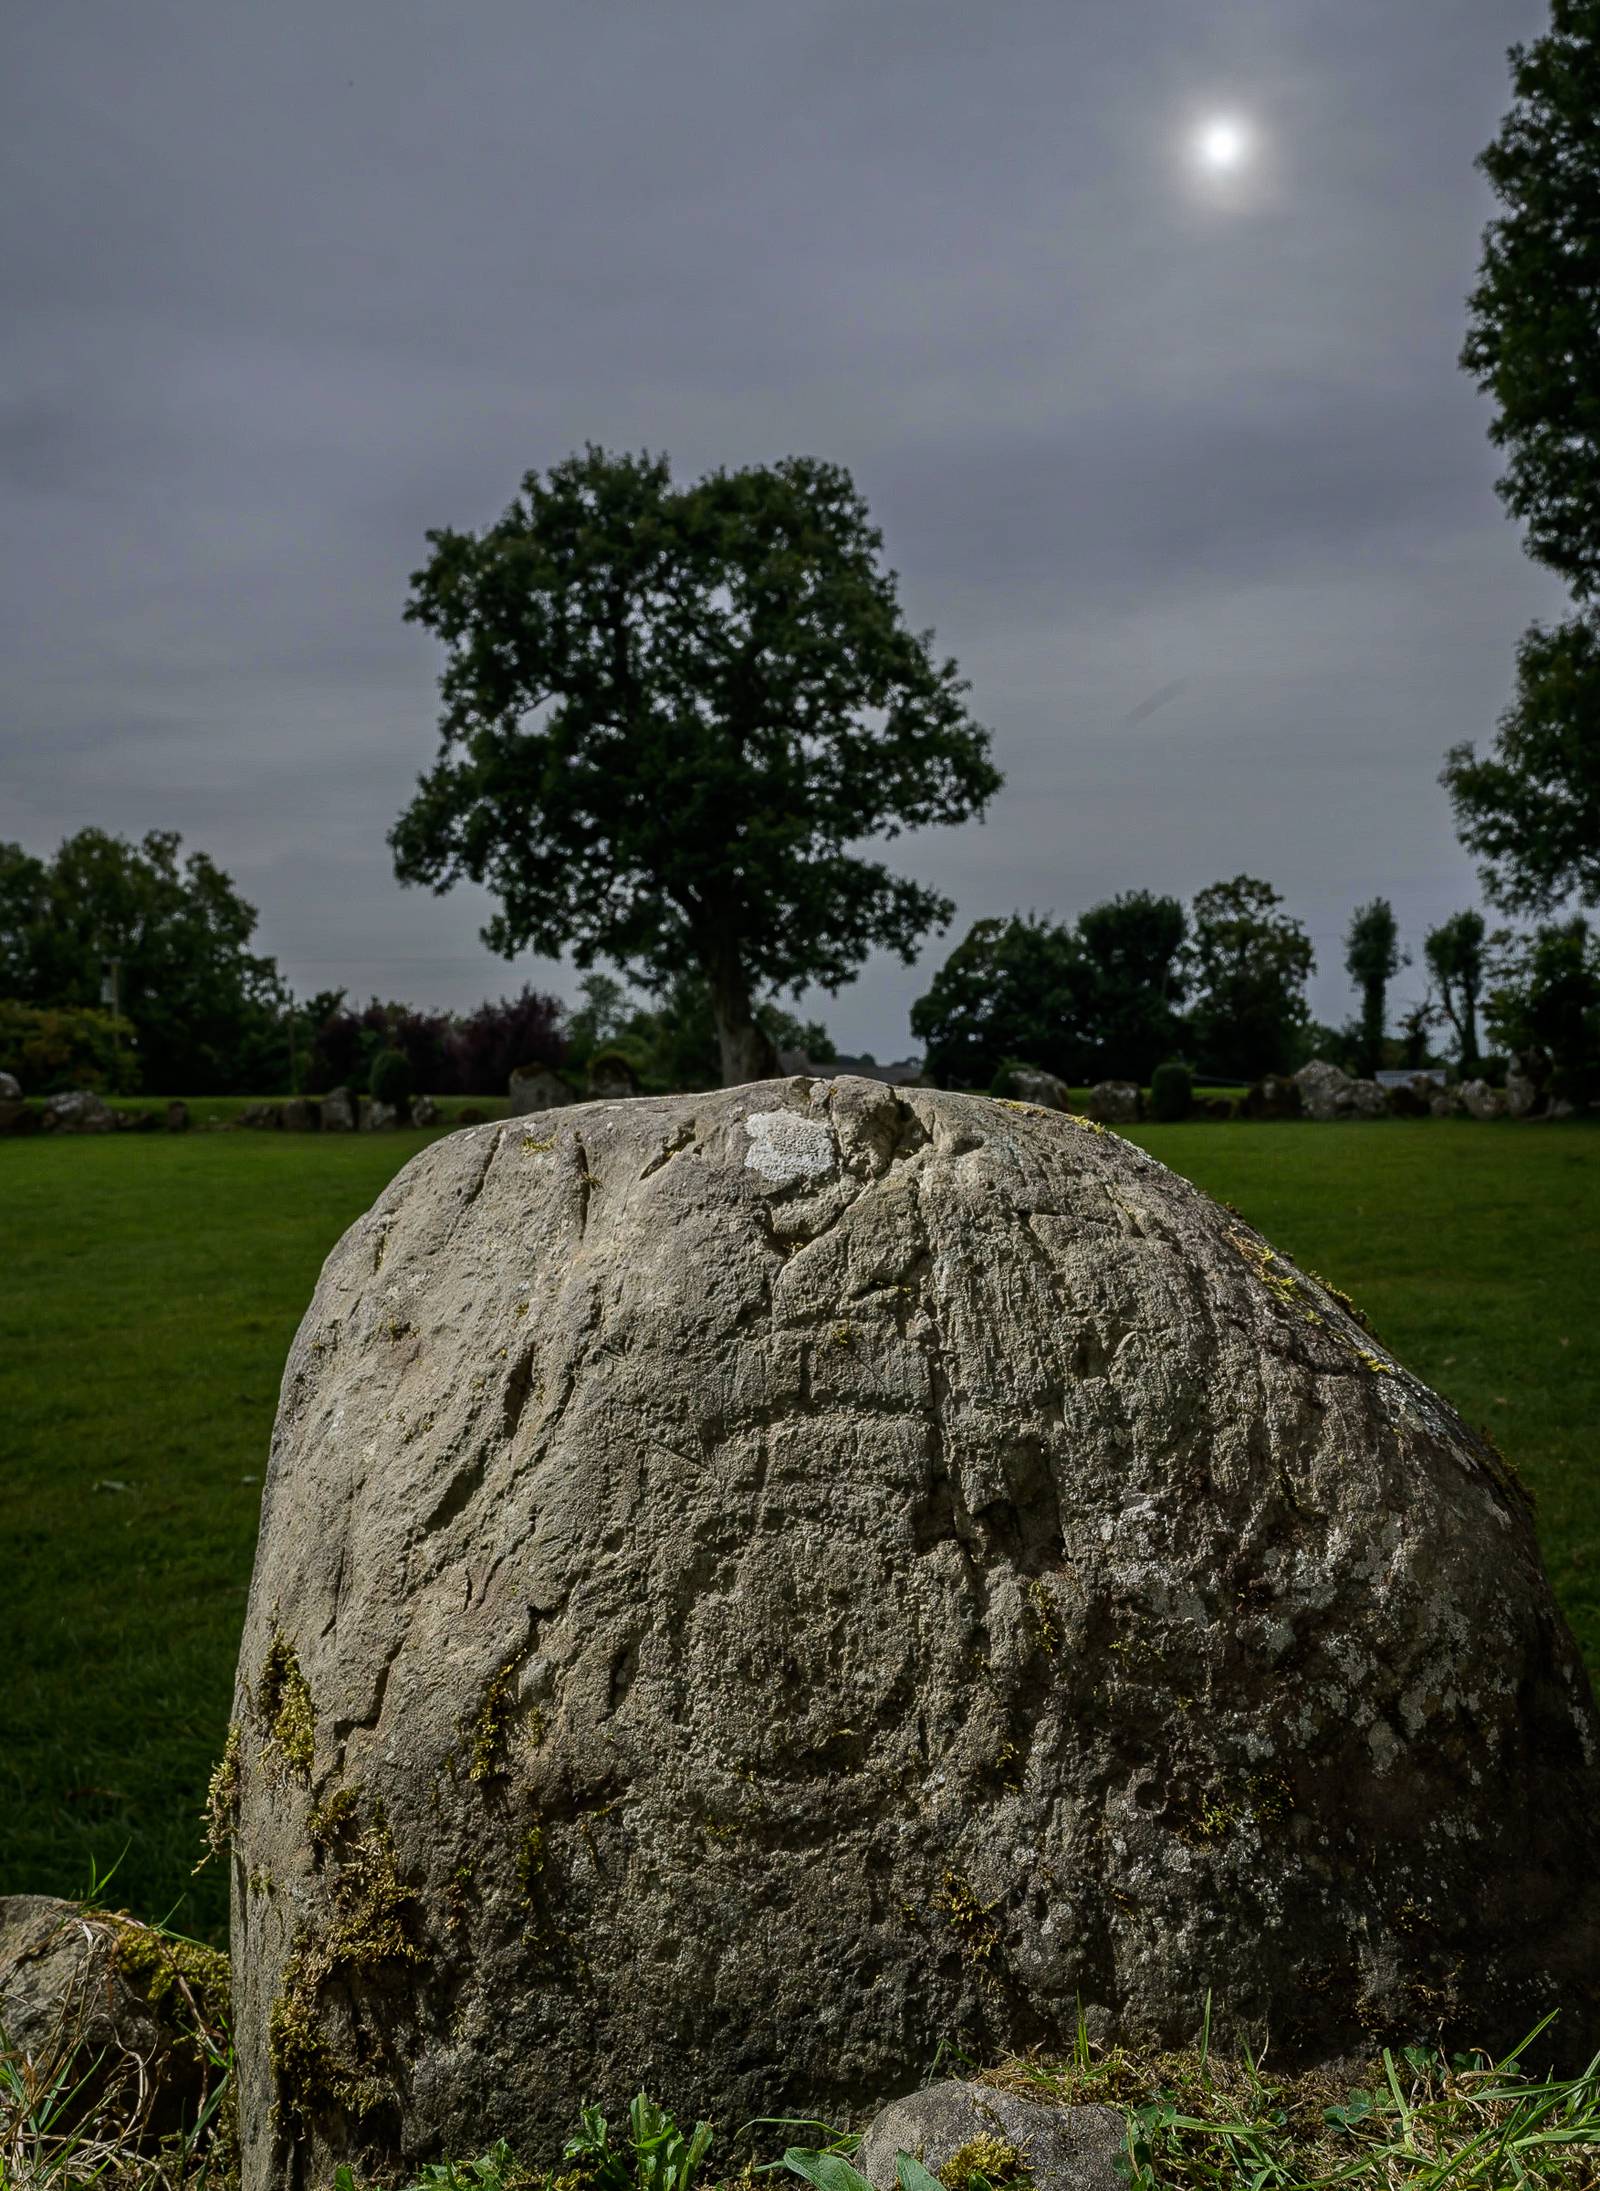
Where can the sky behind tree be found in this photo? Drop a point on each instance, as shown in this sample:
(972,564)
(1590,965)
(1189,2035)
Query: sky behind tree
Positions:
(1178,463)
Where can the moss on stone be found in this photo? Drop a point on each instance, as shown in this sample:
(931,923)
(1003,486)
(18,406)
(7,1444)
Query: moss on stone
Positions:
(186,1980)
(983,2161)
(329,1819)
(367,1933)
(222,1798)
(490,1731)
(971,1920)
(283,1700)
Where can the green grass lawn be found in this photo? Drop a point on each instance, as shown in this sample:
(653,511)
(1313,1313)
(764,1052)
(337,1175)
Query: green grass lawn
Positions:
(151,1286)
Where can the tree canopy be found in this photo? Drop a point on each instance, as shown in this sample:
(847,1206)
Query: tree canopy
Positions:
(1530,811)
(671,718)
(1533,339)
(206,1008)
(1082,1001)
(1248,965)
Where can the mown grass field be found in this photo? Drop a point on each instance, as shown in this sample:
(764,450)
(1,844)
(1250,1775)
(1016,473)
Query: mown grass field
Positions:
(151,1286)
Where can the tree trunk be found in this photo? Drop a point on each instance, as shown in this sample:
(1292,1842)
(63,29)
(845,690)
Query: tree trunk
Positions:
(747,1052)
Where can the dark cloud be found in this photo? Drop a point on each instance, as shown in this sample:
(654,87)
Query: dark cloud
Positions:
(286,286)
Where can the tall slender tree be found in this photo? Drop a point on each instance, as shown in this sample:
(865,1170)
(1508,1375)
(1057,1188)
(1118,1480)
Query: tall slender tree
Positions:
(1372,959)
(1455,952)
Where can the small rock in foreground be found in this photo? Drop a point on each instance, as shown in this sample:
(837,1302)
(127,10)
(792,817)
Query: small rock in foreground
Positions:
(1055,2148)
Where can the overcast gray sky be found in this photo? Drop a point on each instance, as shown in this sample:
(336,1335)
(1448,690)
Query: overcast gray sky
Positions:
(1180,466)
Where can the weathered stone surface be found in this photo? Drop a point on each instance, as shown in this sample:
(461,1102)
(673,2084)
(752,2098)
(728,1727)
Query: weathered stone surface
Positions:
(116,2004)
(424,1112)
(1522,1092)
(177,1119)
(1113,1103)
(302,1115)
(753,1584)
(1276,1096)
(1032,1084)
(340,1110)
(1479,1100)
(379,1117)
(1324,1090)
(78,1110)
(1368,1099)
(10,1088)
(535,1088)
(262,1117)
(1060,2148)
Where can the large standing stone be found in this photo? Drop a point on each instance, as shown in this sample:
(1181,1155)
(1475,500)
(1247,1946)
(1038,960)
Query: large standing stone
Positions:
(302,1115)
(10,1088)
(536,1088)
(78,1110)
(1479,1100)
(340,1108)
(1114,1102)
(751,1585)
(1032,1084)
(1522,1090)
(1325,1091)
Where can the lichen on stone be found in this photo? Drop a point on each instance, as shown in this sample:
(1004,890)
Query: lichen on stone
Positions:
(283,1700)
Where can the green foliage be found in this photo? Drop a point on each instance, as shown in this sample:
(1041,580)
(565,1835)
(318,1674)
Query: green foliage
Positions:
(1134,946)
(669,715)
(1249,965)
(1372,959)
(208,1013)
(1082,1002)
(1455,955)
(49,1050)
(673,1044)
(1529,811)
(1009,989)
(654,2154)
(390,1080)
(1533,340)
(1171,1093)
(1545,1006)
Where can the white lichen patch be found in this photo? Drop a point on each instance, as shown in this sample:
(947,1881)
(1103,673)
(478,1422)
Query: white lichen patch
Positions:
(786,1148)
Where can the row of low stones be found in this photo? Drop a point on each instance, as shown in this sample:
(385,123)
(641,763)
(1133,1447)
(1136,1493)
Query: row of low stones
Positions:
(1318,1091)
(86,1111)
(133,2021)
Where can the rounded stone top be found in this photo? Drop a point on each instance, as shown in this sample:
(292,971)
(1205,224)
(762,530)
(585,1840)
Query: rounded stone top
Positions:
(754,1584)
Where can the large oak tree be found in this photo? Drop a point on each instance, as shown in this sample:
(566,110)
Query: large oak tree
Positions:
(672,718)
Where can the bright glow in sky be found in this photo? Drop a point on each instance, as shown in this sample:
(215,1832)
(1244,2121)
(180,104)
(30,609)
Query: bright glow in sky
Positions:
(1223,144)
